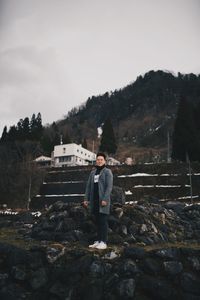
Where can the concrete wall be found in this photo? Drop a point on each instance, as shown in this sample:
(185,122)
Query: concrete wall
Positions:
(159,181)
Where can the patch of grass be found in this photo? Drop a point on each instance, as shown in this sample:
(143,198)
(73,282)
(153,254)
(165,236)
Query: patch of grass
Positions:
(194,246)
(11,236)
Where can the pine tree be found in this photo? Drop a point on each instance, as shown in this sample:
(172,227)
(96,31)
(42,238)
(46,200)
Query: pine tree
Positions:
(185,138)
(46,144)
(66,138)
(12,134)
(197,119)
(39,124)
(56,139)
(84,144)
(20,133)
(108,142)
(56,135)
(33,127)
(36,127)
(4,135)
(26,128)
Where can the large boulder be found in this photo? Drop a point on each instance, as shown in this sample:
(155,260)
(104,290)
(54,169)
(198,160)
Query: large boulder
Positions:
(118,195)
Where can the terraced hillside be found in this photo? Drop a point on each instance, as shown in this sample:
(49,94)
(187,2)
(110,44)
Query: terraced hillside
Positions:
(162,182)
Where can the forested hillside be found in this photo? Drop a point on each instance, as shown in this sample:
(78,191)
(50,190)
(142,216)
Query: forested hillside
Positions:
(142,113)
(151,119)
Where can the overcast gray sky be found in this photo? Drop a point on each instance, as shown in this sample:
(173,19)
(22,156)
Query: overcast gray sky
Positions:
(54,54)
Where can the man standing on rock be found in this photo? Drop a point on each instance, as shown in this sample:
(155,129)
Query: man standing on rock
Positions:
(97,197)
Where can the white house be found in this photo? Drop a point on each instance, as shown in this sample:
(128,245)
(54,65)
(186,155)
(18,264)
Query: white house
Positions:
(112,161)
(72,155)
(43,161)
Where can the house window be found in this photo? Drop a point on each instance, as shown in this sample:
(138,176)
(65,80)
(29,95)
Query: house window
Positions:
(65,158)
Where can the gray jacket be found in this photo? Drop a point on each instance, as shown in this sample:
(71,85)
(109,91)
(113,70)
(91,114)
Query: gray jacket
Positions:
(105,185)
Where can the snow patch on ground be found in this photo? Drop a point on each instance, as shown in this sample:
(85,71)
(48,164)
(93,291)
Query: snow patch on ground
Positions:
(181,198)
(128,192)
(131,202)
(188,197)
(12,212)
(156,186)
(64,195)
(63,182)
(137,175)
(146,174)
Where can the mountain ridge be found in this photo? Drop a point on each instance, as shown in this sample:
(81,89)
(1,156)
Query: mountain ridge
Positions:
(142,113)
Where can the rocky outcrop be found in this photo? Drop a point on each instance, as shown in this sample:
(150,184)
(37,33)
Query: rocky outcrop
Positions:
(153,254)
(144,223)
(128,272)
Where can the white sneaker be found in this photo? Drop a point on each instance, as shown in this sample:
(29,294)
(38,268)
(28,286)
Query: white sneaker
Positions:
(94,245)
(101,246)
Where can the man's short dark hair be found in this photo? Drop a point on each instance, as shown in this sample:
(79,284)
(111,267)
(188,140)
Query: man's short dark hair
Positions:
(101,154)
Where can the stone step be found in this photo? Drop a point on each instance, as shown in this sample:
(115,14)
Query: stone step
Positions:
(161,181)
(181,198)
(66,176)
(159,168)
(41,201)
(158,192)
(127,179)
(156,180)
(63,188)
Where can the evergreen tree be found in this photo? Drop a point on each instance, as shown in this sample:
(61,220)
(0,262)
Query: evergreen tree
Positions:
(56,140)
(197,119)
(39,124)
(20,131)
(36,127)
(4,135)
(84,144)
(12,134)
(185,138)
(56,135)
(33,127)
(108,142)
(46,144)
(26,128)
(66,138)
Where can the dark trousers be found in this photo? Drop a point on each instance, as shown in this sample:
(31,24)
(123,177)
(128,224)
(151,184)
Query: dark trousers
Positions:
(101,221)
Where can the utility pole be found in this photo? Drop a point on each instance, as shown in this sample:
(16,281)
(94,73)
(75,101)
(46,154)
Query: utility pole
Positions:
(29,192)
(168,148)
(93,150)
(29,168)
(190,176)
(93,146)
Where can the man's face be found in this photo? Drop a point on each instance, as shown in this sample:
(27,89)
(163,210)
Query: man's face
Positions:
(100,161)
